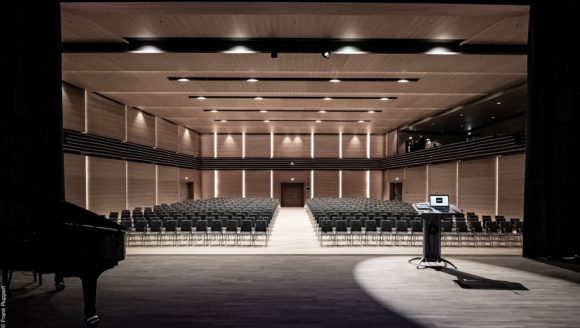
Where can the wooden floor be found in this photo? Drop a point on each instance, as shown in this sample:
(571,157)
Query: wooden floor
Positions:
(305,291)
(293,233)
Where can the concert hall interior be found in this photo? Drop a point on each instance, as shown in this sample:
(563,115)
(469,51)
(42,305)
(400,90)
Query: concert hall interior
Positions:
(290,164)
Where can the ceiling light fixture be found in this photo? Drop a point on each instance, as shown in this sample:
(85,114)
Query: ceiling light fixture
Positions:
(371,111)
(183,79)
(266,121)
(326,54)
(361,121)
(201,98)
(239,50)
(252,80)
(322,111)
(334,80)
(258,98)
(385,98)
(214,111)
(403,81)
(318,121)
(498,103)
(441,51)
(263,111)
(327,98)
(223,121)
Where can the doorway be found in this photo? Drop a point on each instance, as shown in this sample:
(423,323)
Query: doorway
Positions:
(396,191)
(292,194)
(190,191)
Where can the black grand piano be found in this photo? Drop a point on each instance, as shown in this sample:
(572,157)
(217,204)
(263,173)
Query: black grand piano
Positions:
(60,237)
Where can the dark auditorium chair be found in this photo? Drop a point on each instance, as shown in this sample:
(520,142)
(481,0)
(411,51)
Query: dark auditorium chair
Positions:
(200,232)
(341,230)
(371,231)
(261,229)
(356,230)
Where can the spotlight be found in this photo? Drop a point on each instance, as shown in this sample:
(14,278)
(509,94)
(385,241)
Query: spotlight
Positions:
(371,111)
(318,121)
(258,98)
(385,98)
(263,111)
(201,98)
(214,111)
(403,81)
(322,111)
(326,98)
(361,121)
(252,80)
(334,80)
(223,121)
(266,121)
(326,54)
(183,79)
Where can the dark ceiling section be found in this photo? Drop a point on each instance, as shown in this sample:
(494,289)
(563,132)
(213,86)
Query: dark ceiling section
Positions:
(502,112)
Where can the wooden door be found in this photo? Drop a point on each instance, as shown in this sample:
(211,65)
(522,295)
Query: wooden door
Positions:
(292,194)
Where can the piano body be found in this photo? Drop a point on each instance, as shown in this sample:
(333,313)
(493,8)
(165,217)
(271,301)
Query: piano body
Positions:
(60,237)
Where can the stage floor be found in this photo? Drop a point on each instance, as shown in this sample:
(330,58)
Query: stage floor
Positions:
(305,291)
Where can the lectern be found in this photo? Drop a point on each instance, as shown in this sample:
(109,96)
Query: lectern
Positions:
(432,240)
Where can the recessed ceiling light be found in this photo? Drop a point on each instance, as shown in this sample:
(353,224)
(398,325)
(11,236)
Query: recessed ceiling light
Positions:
(214,111)
(183,79)
(498,103)
(258,98)
(322,111)
(239,50)
(201,98)
(223,121)
(361,121)
(371,111)
(266,121)
(334,80)
(493,117)
(468,133)
(441,51)
(326,98)
(403,81)
(263,111)
(461,115)
(385,98)
(318,121)
(252,80)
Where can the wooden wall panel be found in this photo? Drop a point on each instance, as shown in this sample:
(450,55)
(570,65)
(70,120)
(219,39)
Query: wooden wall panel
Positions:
(207,145)
(354,146)
(189,175)
(257,183)
(292,145)
(141,184)
(257,145)
(354,184)
(376,180)
(477,186)
(140,127)
(74,179)
(286,176)
(207,184)
(511,174)
(73,107)
(442,180)
(396,175)
(166,135)
(187,141)
(106,185)
(326,183)
(230,183)
(392,143)
(105,117)
(415,186)
(377,146)
(326,146)
(229,145)
(167,184)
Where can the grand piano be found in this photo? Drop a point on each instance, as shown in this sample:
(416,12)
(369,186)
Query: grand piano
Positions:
(59,237)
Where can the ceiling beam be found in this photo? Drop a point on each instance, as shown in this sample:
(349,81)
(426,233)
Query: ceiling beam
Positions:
(275,46)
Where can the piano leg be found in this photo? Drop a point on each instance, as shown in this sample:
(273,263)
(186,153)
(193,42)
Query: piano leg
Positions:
(90,296)
(59,281)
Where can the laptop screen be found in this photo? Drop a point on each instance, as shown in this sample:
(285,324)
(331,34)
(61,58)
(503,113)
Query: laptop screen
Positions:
(439,200)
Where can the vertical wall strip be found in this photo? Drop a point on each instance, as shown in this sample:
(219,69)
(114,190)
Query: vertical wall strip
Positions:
(87,182)
(368,181)
(457,184)
(272,145)
(215,184)
(156,133)
(340,145)
(271,184)
(243,183)
(156,185)
(215,150)
(86,114)
(126,184)
(368,145)
(126,124)
(427,182)
(312,145)
(340,184)
(497,185)
(311,184)
(243,145)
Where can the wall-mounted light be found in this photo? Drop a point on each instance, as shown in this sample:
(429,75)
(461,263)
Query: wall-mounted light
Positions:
(403,81)
(183,79)
(201,98)
(325,54)
(252,80)
(334,80)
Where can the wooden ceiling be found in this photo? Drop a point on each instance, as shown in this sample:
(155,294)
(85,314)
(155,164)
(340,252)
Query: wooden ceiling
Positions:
(445,81)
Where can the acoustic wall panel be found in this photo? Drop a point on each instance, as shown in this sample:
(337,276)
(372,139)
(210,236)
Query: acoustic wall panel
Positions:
(107,190)
(377,146)
(105,117)
(166,135)
(392,143)
(230,183)
(207,184)
(376,188)
(354,146)
(292,145)
(207,148)
(442,180)
(140,127)
(326,146)
(141,184)
(257,183)
(229,145)
(415,186)
(187,141)
(511,175)
(74,179)
(73,107)
(257,145)
(477,186)
(354,184)
(326,183)
(167,184)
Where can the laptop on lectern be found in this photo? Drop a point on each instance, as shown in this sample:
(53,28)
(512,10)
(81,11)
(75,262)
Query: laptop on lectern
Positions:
(439,202)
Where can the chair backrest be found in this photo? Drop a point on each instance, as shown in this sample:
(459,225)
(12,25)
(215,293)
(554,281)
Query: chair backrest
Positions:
(506,227)
(371,226)
(417,226)
(140,226)
(355,225)
(155,225)
(201,226)
(246,226)
(186,225)
(476,227)
(386,225)
(446,226)
(514,221)
(461,226)
(341,225)
(401,226)
(261,226)
(232,225)
(170,225)
(499,218)
(326,226)
(520,226)
(492,226)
